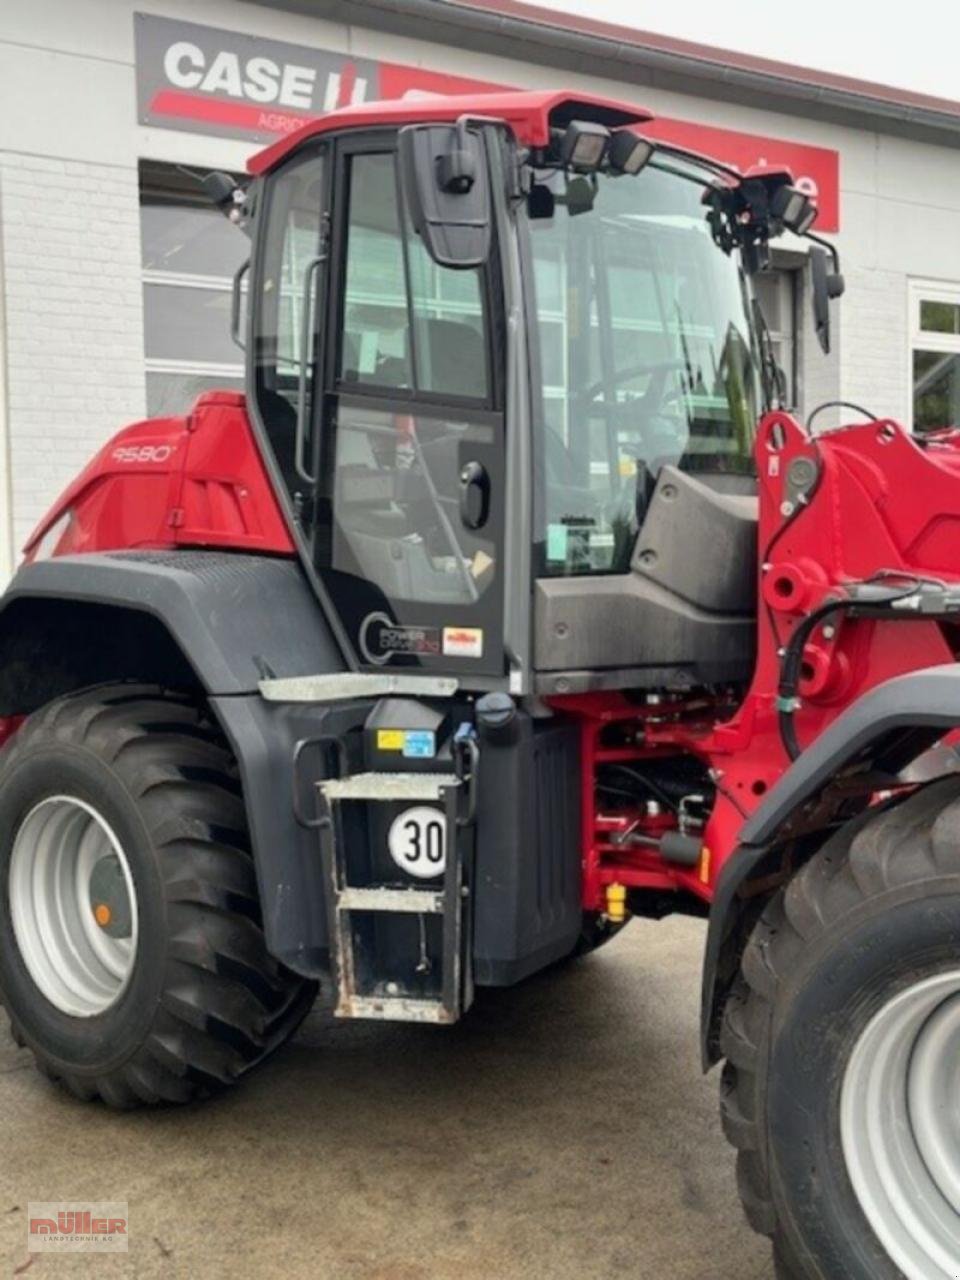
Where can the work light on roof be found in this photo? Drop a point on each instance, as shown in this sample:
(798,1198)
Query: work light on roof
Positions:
(794,209)
(584,144)
(628,152)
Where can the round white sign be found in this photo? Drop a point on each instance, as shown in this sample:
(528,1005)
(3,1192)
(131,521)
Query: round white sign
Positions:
(418,842)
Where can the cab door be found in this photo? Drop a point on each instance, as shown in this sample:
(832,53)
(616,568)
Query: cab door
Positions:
(409,453)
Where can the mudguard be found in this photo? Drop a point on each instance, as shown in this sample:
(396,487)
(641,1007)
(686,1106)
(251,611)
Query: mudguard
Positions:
(235,619)
(886,729)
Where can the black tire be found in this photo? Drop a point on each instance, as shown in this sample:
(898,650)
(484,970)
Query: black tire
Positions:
(205,1001)
(874,912)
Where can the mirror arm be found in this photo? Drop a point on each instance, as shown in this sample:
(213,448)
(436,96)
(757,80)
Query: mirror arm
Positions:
(825,244)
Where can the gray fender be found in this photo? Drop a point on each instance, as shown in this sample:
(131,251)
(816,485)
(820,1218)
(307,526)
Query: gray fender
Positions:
(228,620)
(885,729)
(234,617)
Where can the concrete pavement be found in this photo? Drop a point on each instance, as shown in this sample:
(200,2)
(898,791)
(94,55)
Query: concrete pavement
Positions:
(561,1132)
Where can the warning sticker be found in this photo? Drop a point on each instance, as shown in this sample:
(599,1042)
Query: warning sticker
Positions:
(420,744)
(463,642)
(415,744)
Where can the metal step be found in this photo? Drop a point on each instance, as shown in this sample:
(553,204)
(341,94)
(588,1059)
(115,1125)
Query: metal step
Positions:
(383,995)
(394,1009)
(388,787)
(378,898)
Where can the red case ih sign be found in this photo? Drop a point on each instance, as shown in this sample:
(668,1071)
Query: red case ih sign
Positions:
(204,80)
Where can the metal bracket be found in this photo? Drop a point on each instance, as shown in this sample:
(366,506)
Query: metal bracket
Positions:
(327,741)
(346,685)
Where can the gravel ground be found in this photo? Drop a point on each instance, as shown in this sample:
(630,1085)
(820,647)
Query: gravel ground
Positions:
(562,1131)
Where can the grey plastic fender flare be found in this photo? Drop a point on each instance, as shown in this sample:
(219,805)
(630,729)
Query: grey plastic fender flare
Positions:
(235,617)
(897,720)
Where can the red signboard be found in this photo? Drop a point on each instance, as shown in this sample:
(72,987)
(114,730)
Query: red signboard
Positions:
(205,80)
(815,169)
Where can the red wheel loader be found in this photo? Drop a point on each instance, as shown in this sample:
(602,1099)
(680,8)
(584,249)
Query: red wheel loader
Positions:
(506,604)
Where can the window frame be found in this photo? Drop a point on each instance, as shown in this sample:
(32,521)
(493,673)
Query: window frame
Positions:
(491,670)
(263,213)
(491,295)
(920,339)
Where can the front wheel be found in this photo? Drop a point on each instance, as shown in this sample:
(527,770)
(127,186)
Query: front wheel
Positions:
(132,956)
(841,1089)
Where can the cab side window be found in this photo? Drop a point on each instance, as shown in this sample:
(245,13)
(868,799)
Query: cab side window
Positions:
(287,285)
(408,324)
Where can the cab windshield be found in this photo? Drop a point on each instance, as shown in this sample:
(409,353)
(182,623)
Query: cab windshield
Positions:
(644,357)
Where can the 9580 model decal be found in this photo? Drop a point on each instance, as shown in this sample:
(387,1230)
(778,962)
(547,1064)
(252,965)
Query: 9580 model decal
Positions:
(144,453)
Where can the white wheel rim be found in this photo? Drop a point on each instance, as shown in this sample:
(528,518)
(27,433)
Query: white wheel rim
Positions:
(73,906)
(900,1127)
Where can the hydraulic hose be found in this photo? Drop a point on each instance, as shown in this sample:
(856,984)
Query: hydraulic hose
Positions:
(788,701)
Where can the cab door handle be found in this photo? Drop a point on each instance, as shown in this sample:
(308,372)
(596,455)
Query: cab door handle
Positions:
(474,495)
(306,366)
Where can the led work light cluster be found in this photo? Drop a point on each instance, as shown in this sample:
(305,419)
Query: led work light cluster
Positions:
(586,147)
(748,214)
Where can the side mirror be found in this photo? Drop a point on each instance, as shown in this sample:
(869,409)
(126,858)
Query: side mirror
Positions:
(227,196)
(827,285)
(446,189)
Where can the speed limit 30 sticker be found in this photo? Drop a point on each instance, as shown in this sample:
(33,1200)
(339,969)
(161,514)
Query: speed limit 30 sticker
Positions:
(417,841)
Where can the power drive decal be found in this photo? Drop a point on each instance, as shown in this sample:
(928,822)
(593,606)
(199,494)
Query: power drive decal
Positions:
(381,639)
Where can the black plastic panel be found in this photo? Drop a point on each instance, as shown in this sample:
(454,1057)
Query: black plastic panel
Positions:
(527,894)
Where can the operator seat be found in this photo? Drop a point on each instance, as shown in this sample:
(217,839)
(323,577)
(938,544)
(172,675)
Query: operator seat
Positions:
(457,353)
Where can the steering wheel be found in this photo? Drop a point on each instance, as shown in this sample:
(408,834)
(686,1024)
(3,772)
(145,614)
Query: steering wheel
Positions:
(653,398)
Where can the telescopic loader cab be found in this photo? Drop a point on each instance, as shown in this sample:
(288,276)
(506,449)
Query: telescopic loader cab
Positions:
(506,604)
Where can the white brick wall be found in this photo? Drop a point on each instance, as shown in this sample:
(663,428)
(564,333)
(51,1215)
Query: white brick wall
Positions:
(874,345)
(74,312)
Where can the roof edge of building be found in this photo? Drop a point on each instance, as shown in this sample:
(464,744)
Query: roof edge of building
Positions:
(648,59)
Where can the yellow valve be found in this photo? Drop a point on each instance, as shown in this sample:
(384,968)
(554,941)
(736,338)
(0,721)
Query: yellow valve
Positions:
(616,903)
(102,914)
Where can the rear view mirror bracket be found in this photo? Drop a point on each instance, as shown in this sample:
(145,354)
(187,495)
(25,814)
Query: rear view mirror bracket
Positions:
(445,187)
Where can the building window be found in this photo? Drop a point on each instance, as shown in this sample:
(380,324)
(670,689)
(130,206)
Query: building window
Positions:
(935,355)
(776,291)
(190,253)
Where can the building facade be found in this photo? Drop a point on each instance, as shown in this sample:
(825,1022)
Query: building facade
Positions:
(116,275)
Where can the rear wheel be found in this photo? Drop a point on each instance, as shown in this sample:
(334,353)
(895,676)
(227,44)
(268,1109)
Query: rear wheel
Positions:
(132,955)
(841,1088)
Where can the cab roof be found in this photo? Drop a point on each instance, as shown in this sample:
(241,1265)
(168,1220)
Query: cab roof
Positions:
(531,115)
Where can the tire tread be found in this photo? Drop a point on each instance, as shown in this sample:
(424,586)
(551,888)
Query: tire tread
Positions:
(885,848)
(227,1003)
